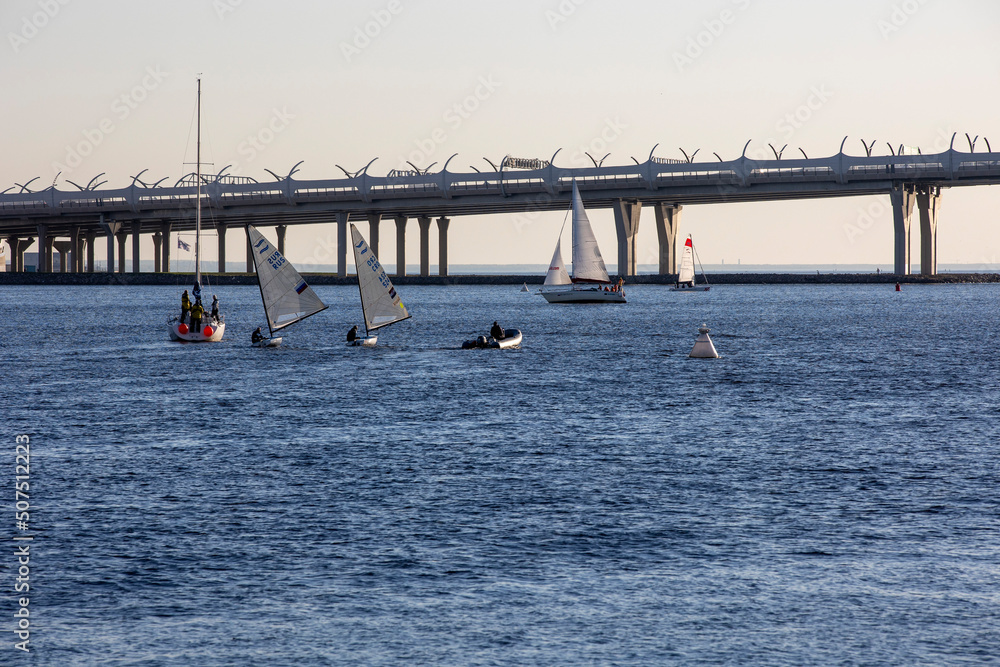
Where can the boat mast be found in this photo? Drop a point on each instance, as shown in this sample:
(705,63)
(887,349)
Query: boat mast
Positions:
(197,218)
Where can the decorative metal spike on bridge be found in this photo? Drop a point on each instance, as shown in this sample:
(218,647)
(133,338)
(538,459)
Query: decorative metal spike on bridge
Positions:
(69,221)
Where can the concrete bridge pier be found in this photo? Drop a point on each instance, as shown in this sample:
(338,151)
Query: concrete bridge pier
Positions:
(443,245)
(165,246)
(902,198)
(17,248)
(136,253)
(425,254)
(75,246)
(41,266)
(342,244)
(90,237)
(373,221)
(122,237)
(280,231)
(157,239)
(929,205)
(668,223)
(220,227)
(63,248)
(400,245)
(627,225)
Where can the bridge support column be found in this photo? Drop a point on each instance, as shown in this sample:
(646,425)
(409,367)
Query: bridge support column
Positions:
(74,249)
(122,236)
(400,245)
(220,227)
(43,245)
(165,246)
(627,225)
(668,223)
(157,239)
(250,266)
(342,244)
(21,248)
(425,240)
(136,253)
(63,248)
(280,231)
(373,220)
(902,198)
(12,244)
(90,237)
(443,245)
(929,204)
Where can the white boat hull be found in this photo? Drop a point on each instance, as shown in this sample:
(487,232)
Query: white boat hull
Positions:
(582,295)
(268,342)
(370,341)
(186,336)
(696,288)
(512,340)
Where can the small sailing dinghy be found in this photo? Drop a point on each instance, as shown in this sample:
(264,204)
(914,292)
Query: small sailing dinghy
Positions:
(286,296)
(213,328)
(511,339)
(380,304)
(590,282)
(685,275)
(524,288)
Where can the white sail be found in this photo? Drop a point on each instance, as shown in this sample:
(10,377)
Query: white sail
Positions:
(686,272)
(379,301)
(557,274)
(588,265)
(287,298)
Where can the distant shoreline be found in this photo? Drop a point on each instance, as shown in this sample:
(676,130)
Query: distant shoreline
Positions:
(98,279)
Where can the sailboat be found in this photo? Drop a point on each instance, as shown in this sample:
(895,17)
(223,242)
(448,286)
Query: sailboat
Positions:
(380,304)
(286,296)
(590,282)
(685,276)
(213,328)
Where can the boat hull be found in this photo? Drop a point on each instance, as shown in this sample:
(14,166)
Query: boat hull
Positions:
(268,342)
(583,295)
(510,341)
(696,288)
(174,329)
(369,341)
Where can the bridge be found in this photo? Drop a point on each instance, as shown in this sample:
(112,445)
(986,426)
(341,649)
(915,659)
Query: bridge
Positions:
(70,222)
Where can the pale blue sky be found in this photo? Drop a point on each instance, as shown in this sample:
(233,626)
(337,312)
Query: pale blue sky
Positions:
(533,77)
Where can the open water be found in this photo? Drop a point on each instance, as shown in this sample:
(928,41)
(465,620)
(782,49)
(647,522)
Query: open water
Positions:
(825,493)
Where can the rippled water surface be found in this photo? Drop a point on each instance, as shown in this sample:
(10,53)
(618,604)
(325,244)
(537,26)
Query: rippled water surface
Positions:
(825,493)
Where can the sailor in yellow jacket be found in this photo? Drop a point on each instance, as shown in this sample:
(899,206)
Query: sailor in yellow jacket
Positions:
(197,310)
(185,305)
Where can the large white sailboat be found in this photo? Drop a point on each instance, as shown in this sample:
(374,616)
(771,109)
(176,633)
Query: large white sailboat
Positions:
(211,329)
(590,282)
(380,304)
(286,296)
(685,274)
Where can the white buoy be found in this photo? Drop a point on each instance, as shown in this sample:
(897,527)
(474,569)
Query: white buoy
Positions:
(703,347)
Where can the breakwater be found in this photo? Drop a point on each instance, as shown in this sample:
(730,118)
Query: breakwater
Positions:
(332,279)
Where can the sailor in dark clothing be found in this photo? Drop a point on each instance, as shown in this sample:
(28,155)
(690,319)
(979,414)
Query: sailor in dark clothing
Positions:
(185,305)
(352,335)
(256,336)
(497,331)
(215,308)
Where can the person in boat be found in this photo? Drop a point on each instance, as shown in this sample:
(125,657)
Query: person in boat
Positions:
(497,331)
(256,336)
(185,305)
(196,291)
(352,335)
(215,308)
(197,312)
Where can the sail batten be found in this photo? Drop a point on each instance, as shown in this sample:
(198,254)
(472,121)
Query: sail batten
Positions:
(380,304)
(286,296)
(588,265)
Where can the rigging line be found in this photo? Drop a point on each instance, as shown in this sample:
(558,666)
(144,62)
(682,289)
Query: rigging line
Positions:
(699,263)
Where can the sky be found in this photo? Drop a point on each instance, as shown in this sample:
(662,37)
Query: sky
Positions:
(108,87)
